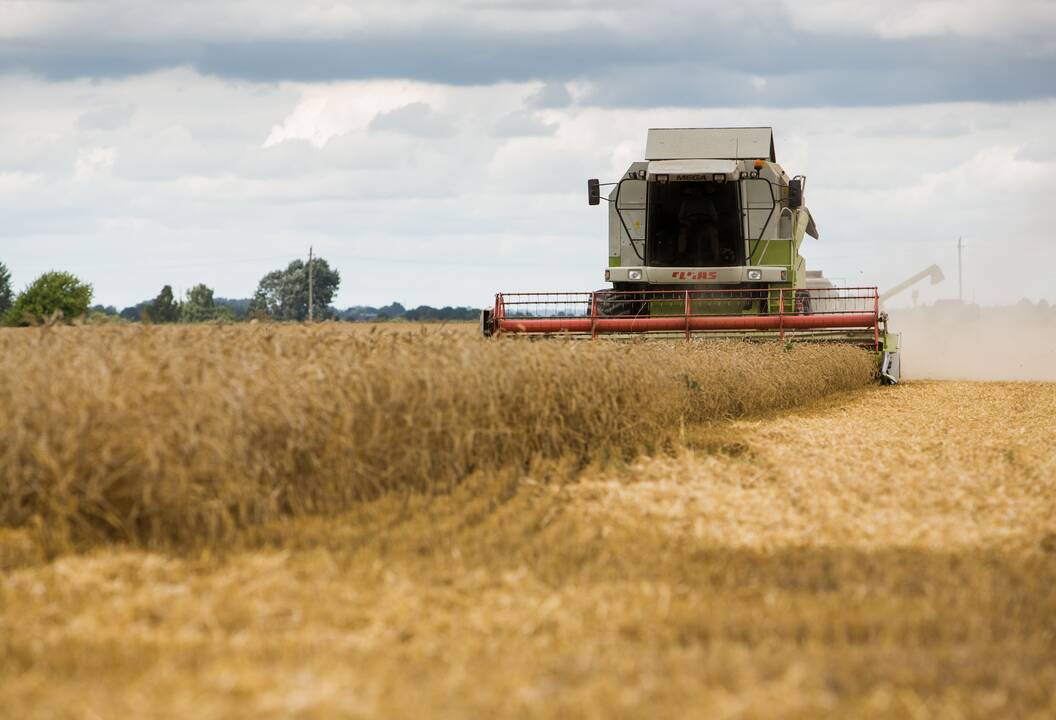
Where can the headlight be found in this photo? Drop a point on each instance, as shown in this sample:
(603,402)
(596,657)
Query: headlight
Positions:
(634,274)
(755,274)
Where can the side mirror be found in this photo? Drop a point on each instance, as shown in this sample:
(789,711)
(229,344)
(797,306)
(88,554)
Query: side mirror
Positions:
(593,191)
(795,192)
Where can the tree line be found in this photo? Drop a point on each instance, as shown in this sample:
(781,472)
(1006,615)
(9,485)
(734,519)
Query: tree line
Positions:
(281,295)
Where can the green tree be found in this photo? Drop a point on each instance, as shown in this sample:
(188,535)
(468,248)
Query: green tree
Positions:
(164,308)
(6,293)
(283,294)
(200,306)
(52,294)
(135,312)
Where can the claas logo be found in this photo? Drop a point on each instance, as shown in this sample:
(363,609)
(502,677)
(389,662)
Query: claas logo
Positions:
(699,275)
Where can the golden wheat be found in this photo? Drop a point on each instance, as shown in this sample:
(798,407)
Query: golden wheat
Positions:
(182,434)
(884,553)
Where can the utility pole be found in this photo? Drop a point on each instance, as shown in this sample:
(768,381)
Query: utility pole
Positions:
(311,283)
(960,276)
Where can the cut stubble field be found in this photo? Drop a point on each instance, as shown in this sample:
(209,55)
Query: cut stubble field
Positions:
(852,551)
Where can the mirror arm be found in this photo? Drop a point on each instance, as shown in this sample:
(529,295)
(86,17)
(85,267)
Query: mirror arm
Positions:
(594,191)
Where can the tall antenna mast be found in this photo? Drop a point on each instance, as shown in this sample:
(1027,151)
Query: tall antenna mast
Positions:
(311,283)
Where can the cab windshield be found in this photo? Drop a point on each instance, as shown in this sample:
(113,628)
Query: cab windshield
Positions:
(694,224)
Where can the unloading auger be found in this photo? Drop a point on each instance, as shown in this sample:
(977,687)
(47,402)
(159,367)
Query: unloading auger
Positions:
(704,241)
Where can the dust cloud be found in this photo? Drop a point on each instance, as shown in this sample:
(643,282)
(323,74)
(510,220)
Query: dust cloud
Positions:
(957,341)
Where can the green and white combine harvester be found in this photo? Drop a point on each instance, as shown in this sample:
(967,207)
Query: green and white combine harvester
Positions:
(704,241)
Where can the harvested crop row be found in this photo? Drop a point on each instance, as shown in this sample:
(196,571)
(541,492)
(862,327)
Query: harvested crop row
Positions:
(183,434)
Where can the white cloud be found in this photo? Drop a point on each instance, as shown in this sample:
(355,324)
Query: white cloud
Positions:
(94,162)
(268,19)
(925,18)
(12,183)
(328,19)
(522,123)
(107,117)
(308,122)
(332,109)
(415,118)
(219,182)
(550,95)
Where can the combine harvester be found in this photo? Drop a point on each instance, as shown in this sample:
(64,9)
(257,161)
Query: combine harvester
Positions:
(704,241)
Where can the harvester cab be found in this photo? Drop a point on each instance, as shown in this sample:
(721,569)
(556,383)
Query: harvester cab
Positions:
(704,241)
(706,208)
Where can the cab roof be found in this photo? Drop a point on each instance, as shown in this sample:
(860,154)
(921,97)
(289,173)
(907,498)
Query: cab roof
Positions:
(736,143)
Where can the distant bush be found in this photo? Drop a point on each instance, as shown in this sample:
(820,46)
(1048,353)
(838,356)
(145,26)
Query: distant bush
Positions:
(52,295)
(283,294)
(165,308)
(6,294)
(134,313)
(101,317)
(201,307)
(396,311)
(104,309)
(239,307)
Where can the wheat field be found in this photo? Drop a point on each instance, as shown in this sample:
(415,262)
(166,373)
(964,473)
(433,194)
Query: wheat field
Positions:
(182,435)
(330,522)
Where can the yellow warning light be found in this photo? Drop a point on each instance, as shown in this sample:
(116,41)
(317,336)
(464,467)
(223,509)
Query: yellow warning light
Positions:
(759,164)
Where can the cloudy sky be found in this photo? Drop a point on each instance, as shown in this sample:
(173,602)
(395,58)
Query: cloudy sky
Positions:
(436,152)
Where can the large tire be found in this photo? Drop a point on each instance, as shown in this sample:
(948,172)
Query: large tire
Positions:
(616,303)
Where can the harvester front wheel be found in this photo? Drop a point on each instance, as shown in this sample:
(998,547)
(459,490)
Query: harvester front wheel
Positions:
(614,303)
